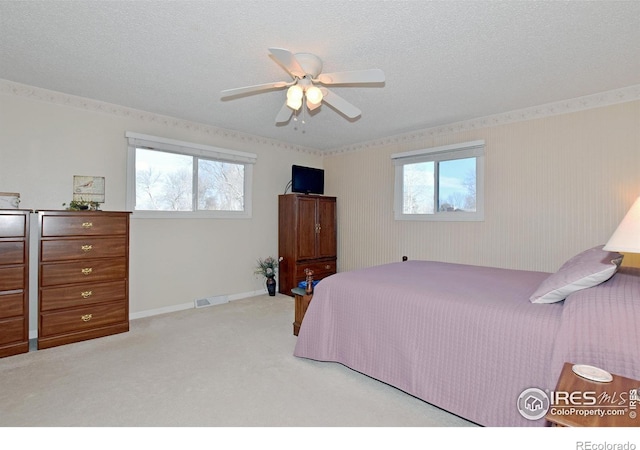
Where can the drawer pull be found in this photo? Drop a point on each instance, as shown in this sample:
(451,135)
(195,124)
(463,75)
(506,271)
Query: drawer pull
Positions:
(86,317)
(86,248)
(327,267)
(86,294)
(87,271)
(87,224)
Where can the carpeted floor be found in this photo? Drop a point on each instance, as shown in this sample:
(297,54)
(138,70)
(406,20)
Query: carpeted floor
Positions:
(229,365)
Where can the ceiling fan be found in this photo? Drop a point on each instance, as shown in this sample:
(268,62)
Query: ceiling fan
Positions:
(309,84)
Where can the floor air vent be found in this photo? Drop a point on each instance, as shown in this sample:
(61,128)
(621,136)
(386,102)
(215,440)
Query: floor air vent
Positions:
(211,301)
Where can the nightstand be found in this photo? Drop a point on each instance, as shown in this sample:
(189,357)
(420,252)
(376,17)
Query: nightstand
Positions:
(302,301)
(579,402)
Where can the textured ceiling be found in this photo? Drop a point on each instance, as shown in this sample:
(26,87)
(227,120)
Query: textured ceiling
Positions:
(444,61)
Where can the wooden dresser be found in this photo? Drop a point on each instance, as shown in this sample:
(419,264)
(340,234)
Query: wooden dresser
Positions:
(307,238)
(83,276)
(14,282)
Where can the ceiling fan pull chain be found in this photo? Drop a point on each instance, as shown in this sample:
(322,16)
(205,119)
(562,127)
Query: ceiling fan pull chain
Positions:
(304,115)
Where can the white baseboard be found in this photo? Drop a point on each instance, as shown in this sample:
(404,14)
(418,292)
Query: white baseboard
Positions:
(190,305)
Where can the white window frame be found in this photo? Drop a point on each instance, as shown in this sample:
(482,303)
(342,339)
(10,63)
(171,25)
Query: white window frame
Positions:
(137,140)
(437,154)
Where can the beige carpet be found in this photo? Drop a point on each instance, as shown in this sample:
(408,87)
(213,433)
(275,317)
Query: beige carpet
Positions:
(222,366)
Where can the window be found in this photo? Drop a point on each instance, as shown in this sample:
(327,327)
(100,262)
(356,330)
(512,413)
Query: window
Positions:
(441,183)
(168,178)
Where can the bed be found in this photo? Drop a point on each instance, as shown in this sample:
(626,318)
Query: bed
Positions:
(472,339)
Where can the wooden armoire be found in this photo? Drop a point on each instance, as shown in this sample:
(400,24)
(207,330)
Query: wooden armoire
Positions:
(306,238)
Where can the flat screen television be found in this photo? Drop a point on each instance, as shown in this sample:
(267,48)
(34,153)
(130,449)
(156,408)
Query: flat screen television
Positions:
(307,180)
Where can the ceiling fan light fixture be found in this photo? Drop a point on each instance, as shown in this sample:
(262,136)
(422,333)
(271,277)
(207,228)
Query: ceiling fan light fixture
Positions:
(314,95)
(312,106)
(294,97)
(294,103)
(294,93)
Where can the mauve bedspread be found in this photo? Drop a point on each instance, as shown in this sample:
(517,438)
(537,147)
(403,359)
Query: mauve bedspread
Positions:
(464,338)
(601,326)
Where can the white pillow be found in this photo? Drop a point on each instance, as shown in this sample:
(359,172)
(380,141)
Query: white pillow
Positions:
(585,270)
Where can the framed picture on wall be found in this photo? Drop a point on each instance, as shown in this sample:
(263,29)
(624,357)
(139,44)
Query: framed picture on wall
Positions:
(88,189)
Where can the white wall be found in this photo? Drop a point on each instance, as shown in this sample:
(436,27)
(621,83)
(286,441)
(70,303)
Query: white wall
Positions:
(554,186)
(46,138)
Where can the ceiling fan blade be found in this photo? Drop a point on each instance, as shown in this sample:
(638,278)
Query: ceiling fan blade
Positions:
(354,76)
(333,99)
(285,114)
(252,89)
(287,60)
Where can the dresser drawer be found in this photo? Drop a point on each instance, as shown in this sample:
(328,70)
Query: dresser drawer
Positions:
(81,295)
(320,269)
(12,252)
(91,247)
(12,330)
(11,278)
(86,272)
(13,225)
(11,305)
(82,224)
(81,319)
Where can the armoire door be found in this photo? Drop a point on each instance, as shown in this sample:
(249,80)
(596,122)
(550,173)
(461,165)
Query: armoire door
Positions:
(326,236)
(307,228)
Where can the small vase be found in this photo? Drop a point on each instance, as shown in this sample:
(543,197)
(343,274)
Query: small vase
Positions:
(271,286)
(309,281)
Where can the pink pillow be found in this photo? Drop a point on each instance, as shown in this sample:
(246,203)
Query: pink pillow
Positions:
(585,270)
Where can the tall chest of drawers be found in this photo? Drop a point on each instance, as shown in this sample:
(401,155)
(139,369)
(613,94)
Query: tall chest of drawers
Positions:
(14,282)
(83,276)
